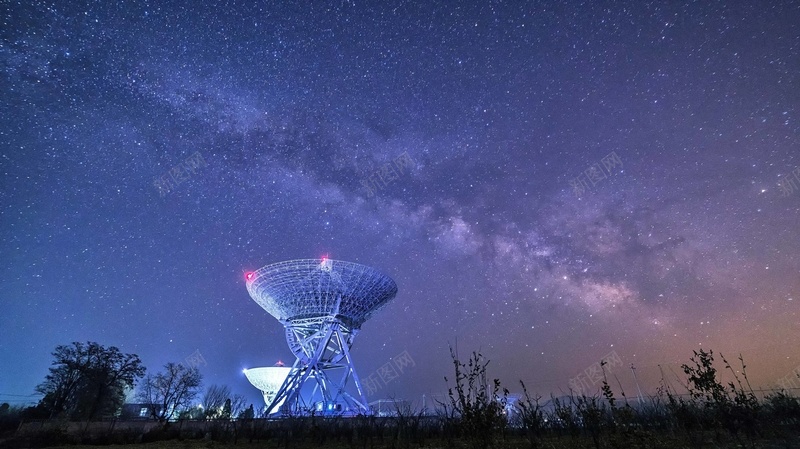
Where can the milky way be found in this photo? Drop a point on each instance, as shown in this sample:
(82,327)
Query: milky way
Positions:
(547,183)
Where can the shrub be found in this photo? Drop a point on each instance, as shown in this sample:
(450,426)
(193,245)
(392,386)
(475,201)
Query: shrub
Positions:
(478,404)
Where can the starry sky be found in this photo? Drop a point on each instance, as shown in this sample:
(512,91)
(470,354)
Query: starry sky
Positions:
(547,182)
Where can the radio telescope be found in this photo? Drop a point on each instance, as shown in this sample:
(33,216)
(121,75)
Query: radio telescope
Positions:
(322,304)
(268,379)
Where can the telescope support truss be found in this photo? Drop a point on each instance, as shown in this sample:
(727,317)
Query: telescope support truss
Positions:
(322,346)
(321,303)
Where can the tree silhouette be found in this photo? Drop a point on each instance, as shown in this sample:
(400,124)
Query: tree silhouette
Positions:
(88,381)
(170,391)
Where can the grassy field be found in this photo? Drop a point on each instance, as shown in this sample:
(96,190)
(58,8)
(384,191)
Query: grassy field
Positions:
(371,433)
(712,414)
(653,441)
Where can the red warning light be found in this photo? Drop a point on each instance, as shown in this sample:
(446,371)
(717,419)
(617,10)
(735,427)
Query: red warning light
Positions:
(249,276)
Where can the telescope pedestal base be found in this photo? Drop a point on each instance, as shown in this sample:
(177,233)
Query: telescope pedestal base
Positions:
(323,360)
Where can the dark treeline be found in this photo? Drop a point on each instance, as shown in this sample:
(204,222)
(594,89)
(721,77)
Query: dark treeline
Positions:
(476,414)
(87,381)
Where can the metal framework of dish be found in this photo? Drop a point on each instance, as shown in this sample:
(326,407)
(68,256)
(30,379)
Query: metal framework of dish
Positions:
(322,304)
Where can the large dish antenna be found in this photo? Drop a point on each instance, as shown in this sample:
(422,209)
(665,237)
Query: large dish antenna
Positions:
(322,304)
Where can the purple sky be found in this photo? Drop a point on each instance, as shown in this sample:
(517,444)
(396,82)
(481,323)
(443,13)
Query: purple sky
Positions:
(290,111)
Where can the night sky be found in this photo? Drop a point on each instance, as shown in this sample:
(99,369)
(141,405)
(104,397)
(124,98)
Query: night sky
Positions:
(547,182)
